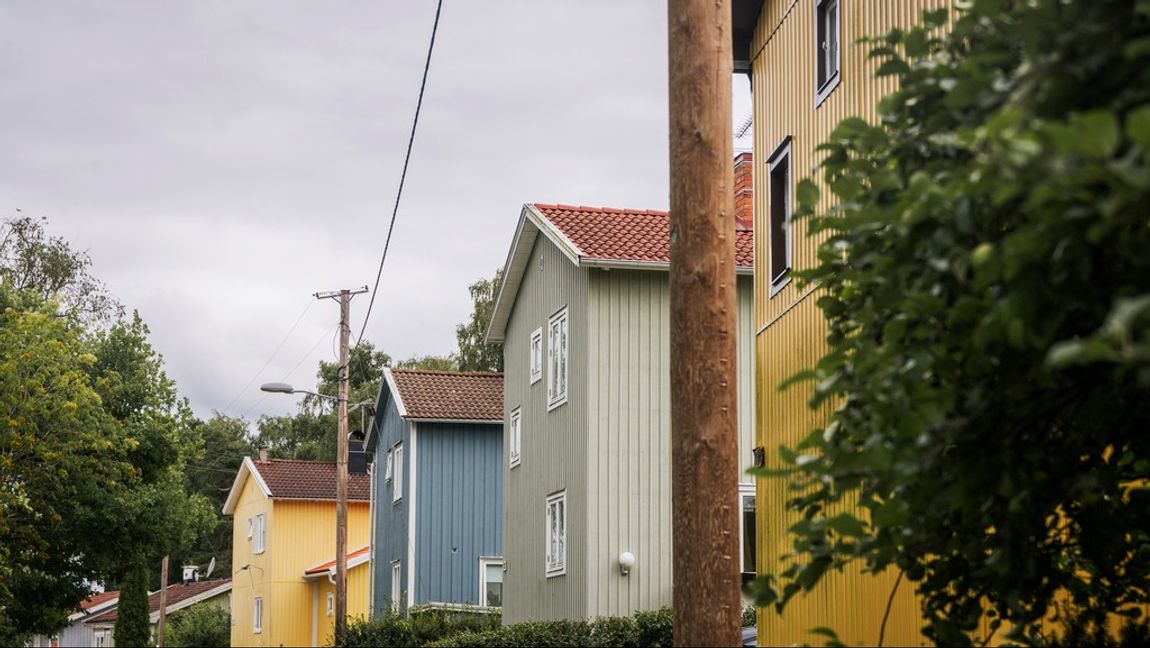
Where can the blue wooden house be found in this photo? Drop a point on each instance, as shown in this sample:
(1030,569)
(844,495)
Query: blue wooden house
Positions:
(436,444)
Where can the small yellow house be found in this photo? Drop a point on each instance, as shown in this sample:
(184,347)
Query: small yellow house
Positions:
(283,549)
(806,74)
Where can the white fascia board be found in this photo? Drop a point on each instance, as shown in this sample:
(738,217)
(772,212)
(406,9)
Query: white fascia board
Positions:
(565,245)
(248,467)
(367,438)
(466,421)
(390,378)
(192,600)
(518,256)
(617,264)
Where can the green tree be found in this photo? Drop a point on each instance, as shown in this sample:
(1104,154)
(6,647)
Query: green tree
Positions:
(49,268)
(204,625)
(985,276)
(429,363)
(474,353)
(132,623)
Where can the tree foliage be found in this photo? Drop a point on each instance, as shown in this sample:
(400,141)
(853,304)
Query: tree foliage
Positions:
(985,276)
(200,626)
(474,353)
(132,613)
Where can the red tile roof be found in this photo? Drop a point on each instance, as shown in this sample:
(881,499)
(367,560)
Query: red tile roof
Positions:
(323,567)
(313,480)
(176,592)
(450,395)
(97,599)
(601,233)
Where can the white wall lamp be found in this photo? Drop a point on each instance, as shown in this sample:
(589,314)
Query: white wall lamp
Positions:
(626,562)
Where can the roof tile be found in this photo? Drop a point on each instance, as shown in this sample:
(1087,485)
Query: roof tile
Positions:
(296,479)
(450,395)
(608,234)
(176,592)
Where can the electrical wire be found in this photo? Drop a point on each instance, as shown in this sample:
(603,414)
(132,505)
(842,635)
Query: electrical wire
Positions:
(303,359)
(270,358)
(403,176)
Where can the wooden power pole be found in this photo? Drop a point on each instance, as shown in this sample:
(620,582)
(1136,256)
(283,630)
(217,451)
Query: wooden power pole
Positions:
(163,602)
(704,405)
(344,297)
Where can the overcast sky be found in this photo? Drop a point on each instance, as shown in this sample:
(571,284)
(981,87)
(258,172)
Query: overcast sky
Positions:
(223,160)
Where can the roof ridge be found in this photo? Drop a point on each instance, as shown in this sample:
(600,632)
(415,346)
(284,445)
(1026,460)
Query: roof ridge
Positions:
(442,372)
(602,210)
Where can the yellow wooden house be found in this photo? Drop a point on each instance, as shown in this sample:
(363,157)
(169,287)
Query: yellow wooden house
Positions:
(806,74)
(283,550)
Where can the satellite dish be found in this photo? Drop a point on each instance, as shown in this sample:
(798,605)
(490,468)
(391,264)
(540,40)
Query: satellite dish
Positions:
(211,566)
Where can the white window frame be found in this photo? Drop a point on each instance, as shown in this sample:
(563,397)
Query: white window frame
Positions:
(558,356)
(258,615)
(535,355)
(259,540)
(250,525)
(331,603)
(396,585)
(484,563)
(781,156)
(387,472)
(397,473)
(745,490)
(831,56)
(515,437)
(555,538)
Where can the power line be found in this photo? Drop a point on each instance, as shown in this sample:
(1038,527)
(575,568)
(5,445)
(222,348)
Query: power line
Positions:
(403,176)
(297,365)
(270,358)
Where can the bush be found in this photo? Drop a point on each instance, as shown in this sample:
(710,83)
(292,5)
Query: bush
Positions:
(1083,628)
(643,629)
(419,629)
(208,626)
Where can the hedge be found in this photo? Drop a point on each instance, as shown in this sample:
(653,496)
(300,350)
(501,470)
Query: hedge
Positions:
(641,630)
(421,628)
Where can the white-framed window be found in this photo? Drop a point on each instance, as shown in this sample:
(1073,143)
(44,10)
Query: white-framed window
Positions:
(557,359)
(828,36)
(397,473)
(257,615)
(747,529)
(557,534)
(779,198)
(259,537)
(387,471)
(250,525)
(515,428)
(537,355)
(396,586)
(331,603)
(491,581)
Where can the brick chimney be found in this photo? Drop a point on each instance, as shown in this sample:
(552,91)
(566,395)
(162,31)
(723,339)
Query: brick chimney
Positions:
(744,192)
(264,454)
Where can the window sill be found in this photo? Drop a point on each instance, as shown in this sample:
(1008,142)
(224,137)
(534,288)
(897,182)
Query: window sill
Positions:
(561,572)
(557,404)
(780,283)
(536,378)
(514,463)
(827,89)
(396,500)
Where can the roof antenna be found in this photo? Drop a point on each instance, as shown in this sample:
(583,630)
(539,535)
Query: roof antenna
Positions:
(745,127)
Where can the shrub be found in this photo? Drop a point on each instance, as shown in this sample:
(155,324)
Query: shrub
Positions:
(1082,627)
(643,629)
(207,626)
(419,629)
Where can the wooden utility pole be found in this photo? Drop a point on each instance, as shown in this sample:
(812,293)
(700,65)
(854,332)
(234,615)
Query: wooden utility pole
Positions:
(704,405)
(341,460)
(163,602)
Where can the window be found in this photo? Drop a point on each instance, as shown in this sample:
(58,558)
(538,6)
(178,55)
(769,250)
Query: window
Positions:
(557,359)
(747,525)
(387,469)
(491,582)
(396,592)
(258,615)
(826,48)
(397,474)
(516,435)
(260,535)
(536,355)
(249,528)
(557,534)
(780,212)
(331,603)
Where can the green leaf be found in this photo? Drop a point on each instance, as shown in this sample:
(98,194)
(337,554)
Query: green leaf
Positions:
(1138,127)
(936,18)
(846,524)
(807,193)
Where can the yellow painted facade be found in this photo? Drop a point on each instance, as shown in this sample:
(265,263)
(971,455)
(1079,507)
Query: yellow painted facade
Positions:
(358,578)
(790,331)
(300,535)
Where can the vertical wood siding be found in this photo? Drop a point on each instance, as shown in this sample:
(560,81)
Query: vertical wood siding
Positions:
(553,445)
(629,450)
(459,511)
(357,601)
(390,517)
(790,330)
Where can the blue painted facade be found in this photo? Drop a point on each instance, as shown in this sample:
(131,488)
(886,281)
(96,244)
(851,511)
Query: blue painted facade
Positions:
(456,489)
